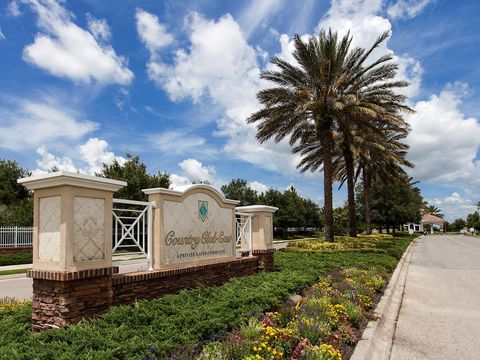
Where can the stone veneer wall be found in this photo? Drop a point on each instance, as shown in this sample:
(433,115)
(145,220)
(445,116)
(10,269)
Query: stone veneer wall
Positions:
(13,250)
(149,285)
(64,298)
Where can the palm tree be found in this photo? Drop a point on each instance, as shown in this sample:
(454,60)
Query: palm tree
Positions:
(330,95)
(432,210)
(382,156)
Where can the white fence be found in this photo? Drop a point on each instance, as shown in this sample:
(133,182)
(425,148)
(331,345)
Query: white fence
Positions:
(16,236)
(132,227)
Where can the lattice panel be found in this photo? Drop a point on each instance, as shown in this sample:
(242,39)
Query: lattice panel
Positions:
(49,229)
(184,218)
(89,229)
(267,231)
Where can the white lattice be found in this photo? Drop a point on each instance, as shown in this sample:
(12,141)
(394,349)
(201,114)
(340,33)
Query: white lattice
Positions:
(89,229)
(184,219)
(49,229)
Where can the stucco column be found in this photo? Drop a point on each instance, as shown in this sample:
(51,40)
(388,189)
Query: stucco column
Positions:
(262,226)
(72,247)
(72,226)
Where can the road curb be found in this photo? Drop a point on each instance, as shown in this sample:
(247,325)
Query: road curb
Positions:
(376,341)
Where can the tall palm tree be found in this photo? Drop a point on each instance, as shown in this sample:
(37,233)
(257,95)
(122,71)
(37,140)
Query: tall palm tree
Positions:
(330,86)
(380,155)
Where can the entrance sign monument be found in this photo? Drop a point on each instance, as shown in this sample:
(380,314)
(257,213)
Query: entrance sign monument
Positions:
(192,238)
(192,227)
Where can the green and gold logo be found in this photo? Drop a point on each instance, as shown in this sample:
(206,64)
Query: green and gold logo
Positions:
(202,209)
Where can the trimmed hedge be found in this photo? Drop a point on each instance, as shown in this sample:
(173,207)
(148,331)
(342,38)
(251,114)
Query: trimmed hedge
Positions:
(187,318)
(15,259)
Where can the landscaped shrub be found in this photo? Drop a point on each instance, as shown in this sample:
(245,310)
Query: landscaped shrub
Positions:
(15,259)
(175,323)
(377,243)
(325,325)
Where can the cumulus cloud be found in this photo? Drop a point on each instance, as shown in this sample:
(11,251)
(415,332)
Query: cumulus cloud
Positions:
(49,161)
(66,50)
(454,206)
(227,75)
(88,158)
(153,34)
(362,18)
(30,123)
(99,28)
(193,172)
(258,186)
(95,153)
(407,9)
(443,142)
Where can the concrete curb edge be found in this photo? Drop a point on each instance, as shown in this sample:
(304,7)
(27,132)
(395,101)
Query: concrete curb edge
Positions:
(377,338)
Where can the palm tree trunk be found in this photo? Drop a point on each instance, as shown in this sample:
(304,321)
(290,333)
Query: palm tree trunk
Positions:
(367,186)
(350,169)
(326,140)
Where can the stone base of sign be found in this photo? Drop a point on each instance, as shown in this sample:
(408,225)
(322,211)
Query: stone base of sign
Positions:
(64,298)
(129,287)
(265,259)
(15,250)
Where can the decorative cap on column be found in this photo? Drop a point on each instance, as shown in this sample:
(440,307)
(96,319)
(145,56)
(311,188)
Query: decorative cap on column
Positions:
(72,220)
(61,178)
(262,226)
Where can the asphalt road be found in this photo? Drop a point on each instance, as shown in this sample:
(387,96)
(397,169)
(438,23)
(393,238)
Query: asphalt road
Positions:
(440,312)
(20,287)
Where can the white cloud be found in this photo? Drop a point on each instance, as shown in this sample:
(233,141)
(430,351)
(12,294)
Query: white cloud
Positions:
(2,36)
(87,158)
(195,171)
(152,33)
(99,28)
(65,50)
(27,123)
(13,9)
(258,187)
(443,142)
(221,67)
(257,12)
(454,206)
(406,9)
(48,162)
(177,142)
(362,19)
(94,153)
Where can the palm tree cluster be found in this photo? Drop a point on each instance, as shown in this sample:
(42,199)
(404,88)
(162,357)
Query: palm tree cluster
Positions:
(340,111)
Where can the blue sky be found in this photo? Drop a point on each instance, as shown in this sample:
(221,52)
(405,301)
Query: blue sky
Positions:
(84,82)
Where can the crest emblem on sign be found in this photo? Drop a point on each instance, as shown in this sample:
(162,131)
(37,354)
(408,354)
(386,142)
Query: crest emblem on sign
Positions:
(202,209)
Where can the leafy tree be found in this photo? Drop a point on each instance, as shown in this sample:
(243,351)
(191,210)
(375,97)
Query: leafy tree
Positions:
(393,203)
(134,172)
(16,205)
(237,189)
(457,225)
(473,220)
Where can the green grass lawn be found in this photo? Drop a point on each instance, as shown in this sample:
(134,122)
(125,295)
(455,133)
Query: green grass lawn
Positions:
(14,271)
(187,318)
(15,259)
